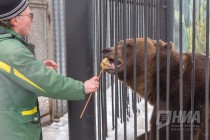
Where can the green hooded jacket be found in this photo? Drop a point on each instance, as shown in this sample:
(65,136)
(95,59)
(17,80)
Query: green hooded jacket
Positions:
(22,79)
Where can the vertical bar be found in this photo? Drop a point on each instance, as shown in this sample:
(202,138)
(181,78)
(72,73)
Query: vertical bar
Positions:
(57,33)
(154,17)
(100,48)
(207,74)
(129,16)
(62,37)
(181,70)
(150,18)
(119,19)
(145,63)
(116,74)
(111,44)
(134,67)
(129,105)
(104,109)
(193,68)
(158,62)
(103,89)
(124,114)
(142,17)
(137,17)
(97,61)
(162,19)
(111,22)
(63,43)
(125,61)
(121,105)
(104,39)
(98,68)
(112,92)
(169,19)
(168,69)
(57,41)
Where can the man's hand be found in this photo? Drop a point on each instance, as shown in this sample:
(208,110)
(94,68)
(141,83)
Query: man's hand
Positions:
(50,64)
(91,85)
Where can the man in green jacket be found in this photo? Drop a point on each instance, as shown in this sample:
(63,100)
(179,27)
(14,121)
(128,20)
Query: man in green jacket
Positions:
(23,78)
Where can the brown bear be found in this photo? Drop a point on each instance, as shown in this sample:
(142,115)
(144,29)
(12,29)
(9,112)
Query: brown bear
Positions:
(172,116)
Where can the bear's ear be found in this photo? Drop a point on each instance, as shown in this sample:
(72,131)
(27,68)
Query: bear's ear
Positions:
(161,43)
(171,45)
(164,45)
(154,42)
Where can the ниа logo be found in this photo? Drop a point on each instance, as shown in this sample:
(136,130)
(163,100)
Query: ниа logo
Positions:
(176,117)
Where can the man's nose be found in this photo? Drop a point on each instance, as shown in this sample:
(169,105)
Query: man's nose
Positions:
(107,50)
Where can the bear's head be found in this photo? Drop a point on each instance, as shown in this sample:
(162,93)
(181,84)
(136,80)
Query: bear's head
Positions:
(124,61)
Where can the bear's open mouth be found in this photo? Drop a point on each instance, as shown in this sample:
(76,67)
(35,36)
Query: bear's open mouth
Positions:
(112,64)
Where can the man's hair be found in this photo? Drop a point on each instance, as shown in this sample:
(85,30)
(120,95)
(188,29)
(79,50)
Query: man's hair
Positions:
(5,23)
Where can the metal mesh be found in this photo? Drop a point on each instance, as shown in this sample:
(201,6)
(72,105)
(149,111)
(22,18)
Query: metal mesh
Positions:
(39,28)
(39,37)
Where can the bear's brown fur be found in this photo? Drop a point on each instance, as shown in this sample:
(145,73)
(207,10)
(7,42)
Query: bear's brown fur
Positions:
(174,90)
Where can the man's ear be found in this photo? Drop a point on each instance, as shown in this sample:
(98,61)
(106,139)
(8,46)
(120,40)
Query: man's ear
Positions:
(14,21)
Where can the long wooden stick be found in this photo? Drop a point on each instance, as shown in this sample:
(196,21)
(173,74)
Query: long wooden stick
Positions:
(86,105)
(89,97)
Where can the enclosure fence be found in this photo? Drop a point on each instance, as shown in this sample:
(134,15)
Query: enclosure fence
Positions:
(117,20)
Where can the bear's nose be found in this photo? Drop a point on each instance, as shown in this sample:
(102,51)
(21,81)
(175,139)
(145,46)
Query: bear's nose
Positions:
(107,50)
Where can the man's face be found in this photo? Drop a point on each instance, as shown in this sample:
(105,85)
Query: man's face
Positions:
(21,23)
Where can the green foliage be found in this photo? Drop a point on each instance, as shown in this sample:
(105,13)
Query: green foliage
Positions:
(187,26)
(185,32)
(200,31)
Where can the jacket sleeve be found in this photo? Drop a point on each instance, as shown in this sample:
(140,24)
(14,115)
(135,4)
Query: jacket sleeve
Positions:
(32,75)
